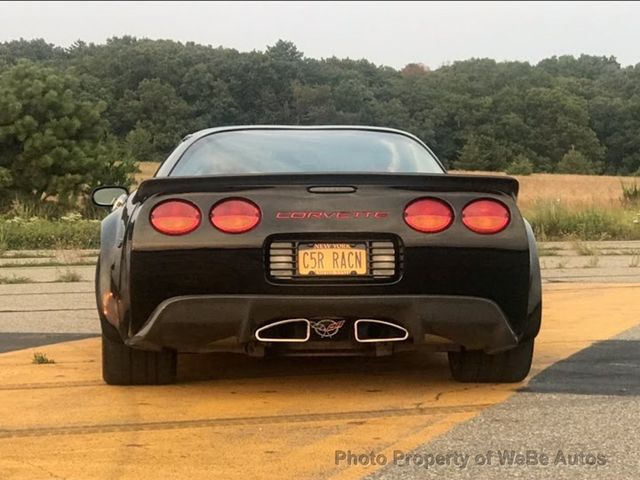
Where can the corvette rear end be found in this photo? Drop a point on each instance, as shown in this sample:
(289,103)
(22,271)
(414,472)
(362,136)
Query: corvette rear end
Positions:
(317,263)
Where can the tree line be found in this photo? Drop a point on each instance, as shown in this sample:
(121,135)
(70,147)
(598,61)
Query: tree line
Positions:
(77,116)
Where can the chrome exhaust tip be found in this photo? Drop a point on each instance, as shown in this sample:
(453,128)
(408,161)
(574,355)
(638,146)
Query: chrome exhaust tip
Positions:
(368,330)
(296,330)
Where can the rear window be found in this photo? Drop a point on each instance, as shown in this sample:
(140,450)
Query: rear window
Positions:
(305,151)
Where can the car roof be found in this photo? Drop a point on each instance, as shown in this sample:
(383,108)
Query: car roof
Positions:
(208,131)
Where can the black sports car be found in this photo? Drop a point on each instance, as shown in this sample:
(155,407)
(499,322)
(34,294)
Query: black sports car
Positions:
(315,241)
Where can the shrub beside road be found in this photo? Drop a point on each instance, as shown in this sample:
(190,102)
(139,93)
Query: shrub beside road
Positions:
(557,221)
(42,233)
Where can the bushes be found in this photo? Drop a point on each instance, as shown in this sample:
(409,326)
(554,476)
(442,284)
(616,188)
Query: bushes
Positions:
(54,139)
(554,221)
(26,224)
(630,194)
(520,166)
(575,162)
(38,233)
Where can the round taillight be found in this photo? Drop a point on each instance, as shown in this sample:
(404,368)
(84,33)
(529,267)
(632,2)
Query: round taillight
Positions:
(175,217)
(428,215)
(486,216)
(235,216)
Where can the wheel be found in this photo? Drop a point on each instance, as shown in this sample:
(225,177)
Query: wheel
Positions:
(504,367)
(123,365)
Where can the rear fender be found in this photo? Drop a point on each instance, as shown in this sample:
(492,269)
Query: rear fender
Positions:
(534,306)
(112,234)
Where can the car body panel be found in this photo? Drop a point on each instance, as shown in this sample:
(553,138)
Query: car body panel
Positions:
(145,274)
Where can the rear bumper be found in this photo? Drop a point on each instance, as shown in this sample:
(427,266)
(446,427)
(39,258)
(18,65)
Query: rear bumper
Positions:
(200,323)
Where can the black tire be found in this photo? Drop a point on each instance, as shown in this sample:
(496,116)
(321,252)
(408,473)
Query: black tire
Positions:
(505,367)
(123,365)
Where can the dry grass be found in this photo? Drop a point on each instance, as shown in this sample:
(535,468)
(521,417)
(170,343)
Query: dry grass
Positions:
(570,190)
(68,276)
(41,358)
(14,279)
(593,262)
(68,257)
(573,190)
(579,207)
(146,170)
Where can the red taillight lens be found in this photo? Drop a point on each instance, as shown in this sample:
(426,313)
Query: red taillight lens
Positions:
(175,217)
(235,216)
(486,216)
(428,215)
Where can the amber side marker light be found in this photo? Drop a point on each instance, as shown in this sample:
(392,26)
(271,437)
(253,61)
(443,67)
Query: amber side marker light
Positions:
(486,216)
(235,216)
(428,215)
(175,217)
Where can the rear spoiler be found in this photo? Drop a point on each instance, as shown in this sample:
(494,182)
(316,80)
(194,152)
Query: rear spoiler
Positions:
(501,185)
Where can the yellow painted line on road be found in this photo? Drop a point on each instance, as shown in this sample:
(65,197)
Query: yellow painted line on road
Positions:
(235,417)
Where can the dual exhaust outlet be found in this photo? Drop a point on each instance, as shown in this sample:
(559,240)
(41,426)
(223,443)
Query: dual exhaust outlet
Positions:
(298,330)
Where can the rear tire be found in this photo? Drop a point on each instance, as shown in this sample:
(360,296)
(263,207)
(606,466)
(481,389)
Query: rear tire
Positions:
(504,367)
(123,365)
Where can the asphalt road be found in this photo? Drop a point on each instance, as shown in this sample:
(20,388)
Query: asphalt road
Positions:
(10,341)
(236,417)
(35,314)
(581,415)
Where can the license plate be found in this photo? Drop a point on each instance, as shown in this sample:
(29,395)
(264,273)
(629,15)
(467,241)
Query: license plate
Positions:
(337,259)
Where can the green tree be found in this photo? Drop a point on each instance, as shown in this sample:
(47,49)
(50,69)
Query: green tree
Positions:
(36,50)
(520,166)
(140,144)
(483,153)
(156,108)
(575,162)
(53,140)
(477,112)
(559,121)
(312,104)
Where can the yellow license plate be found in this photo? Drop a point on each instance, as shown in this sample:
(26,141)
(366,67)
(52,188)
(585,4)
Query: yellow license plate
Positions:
(343,259)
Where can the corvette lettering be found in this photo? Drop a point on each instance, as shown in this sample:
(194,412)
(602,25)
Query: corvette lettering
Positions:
(319,215)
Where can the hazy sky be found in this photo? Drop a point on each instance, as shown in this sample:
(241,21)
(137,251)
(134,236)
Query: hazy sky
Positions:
(389,33)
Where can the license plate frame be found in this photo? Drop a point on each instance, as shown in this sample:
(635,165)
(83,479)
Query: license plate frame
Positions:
(332,259)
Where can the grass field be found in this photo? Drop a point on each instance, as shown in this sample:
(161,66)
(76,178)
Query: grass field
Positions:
(569,190)
(584,207)
(147,169)
(580,207)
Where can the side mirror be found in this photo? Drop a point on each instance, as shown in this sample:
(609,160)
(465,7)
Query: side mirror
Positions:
(107,196)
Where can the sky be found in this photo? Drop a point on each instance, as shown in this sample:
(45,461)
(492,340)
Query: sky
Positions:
(386,33)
